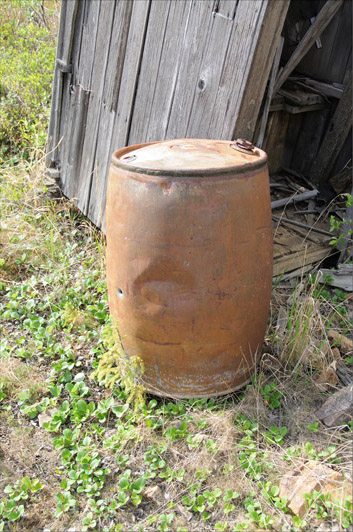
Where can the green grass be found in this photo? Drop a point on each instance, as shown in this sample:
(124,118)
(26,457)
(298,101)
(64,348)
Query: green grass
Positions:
(27,53)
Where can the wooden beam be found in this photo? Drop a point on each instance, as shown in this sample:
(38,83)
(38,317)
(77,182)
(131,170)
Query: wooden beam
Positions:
(322,20)
(336,134)
(296,109)
(328,89)
(274,70)
(255,84)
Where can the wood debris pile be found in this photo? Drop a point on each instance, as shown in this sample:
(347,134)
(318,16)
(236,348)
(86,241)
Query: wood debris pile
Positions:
(302,226)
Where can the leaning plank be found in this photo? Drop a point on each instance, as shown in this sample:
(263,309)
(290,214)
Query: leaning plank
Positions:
(274,70)
(336,134)
(261,55)
(309,228)
(321,22)
(299,259)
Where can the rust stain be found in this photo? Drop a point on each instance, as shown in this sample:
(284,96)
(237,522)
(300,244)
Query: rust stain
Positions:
(189,262)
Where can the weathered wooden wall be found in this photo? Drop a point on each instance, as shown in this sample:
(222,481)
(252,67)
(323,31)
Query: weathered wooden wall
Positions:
(132,71)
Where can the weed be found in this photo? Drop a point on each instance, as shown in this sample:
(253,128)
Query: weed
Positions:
(313,426)
(271,395)
(275,435)
(336,225)
(114,365)
(18,495)
(256,515)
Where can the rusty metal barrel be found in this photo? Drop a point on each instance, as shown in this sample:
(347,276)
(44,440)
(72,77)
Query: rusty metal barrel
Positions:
(189,261)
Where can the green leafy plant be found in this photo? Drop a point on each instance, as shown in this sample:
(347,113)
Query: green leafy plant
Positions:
(314,427)
(271,395)
(228,498)
(27,53)
(276,435)
(336,225)
(18,495)
(256,515)
(130,489)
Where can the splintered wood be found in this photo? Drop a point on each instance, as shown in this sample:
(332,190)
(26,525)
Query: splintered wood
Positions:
(293,251)
(300,239)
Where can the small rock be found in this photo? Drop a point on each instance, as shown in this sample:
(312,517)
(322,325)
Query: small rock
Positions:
(43,418)
(282,320)
(153,492)
(338,408)
(327,378)
(346,344)
(309,477)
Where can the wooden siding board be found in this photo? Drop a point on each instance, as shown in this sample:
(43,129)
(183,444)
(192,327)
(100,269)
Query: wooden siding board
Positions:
(113,129)
(187,75)
(80,94)
(151,74)
(130,74)
(92,80)
(206,90)
(148,70)
(154,121)
(106,115)
(243,42)
(70,102)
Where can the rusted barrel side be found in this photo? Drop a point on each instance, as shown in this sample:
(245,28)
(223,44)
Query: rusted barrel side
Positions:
(189,269)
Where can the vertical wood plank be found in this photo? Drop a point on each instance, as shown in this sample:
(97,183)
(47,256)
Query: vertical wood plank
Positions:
(93,80)
(75,126)
(336,134)
(310,136)
(117,98)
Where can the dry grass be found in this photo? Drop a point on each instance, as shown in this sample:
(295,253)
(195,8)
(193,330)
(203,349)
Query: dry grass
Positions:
(17,376)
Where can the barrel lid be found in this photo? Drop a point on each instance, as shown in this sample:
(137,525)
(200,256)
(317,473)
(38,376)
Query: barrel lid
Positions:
(190,157)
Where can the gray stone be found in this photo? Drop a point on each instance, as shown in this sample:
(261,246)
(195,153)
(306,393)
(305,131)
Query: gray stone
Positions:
(338,409)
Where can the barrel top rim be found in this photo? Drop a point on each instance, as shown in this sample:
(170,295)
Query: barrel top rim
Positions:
(190,157)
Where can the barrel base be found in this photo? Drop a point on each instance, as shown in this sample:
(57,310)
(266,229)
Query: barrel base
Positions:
(158,393)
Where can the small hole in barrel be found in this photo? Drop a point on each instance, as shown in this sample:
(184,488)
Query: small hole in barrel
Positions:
(120,292)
